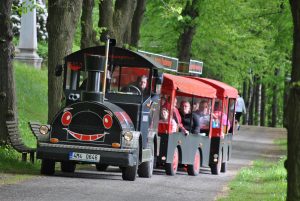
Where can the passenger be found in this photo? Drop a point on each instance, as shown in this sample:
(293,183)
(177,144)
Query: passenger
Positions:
(177,117)
(165,118)
(204,115)
(195,106)
(217,116)
(186,115)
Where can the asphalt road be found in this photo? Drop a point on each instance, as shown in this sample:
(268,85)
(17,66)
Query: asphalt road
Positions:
(250,143)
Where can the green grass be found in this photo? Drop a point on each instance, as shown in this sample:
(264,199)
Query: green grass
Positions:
(32,98)
(31,91)
(263,181)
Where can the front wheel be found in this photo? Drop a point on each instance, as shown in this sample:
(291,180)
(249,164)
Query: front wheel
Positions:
(47,167)
(171,168)
(67,166)
(129,173)
(195,167)
(146,168)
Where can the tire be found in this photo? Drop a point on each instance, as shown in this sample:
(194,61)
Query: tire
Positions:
(171,168)
(68,166)
(194,169)
(129,173)
(146,168)
(47,167)
(216,168)
(101,167)
(224,167)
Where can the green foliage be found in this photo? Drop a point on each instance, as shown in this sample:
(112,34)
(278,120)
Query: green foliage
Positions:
(263,181)
(11,162)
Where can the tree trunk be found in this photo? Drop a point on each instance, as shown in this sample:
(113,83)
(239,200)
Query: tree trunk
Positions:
(245,99)
(137,21)
(257,100)
(263,105)
(275,101)
(62,22)
(7,81)
(250,104)
(115,18)
(123,14)
(189,30)
(106,11)
(285,97)
(88,35)
(293,111)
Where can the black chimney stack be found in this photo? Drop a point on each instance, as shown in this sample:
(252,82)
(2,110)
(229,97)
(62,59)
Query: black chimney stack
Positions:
(94,65)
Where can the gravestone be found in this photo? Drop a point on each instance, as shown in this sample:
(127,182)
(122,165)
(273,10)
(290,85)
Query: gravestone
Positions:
(28,38)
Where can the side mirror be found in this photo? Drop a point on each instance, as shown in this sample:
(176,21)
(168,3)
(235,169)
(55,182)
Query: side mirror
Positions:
(58,70)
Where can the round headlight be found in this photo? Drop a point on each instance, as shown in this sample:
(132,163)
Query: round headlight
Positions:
(128,136)
(44,129)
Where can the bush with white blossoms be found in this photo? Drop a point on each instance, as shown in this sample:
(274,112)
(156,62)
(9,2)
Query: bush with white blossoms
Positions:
(41,18)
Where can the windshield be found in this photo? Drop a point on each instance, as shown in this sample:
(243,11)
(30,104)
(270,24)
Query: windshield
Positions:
(131,80)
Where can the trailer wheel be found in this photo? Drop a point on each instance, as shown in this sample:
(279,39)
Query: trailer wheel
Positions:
(129,173)
(224,167)
(215,168)
(171,168)
(195,167)
(67,166)
(146,168)
(101,167)
(47,167)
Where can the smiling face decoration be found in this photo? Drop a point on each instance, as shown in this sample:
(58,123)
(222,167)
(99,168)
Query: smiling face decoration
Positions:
(86,125)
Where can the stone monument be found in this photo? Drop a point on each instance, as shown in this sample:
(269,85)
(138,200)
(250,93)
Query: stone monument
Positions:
(28,37)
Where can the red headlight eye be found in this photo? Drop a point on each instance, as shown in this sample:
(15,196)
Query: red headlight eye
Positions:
(107,121)
(66,118)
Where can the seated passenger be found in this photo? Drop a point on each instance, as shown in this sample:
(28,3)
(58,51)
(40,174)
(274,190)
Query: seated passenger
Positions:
(186,115)
(204,115)
(177,117)
(165,118)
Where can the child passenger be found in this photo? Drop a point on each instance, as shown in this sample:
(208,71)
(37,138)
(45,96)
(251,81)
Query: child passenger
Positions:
(165,118)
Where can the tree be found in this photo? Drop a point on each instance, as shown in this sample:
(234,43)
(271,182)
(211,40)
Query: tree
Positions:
(293,111)
(189,26)
(136,22)
(7,81)
(88,34)
(115,18)
(62,21)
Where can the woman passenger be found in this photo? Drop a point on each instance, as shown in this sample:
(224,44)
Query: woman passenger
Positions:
(186,115)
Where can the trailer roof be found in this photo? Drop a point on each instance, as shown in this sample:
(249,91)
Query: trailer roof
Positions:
(223,90)
(186,85)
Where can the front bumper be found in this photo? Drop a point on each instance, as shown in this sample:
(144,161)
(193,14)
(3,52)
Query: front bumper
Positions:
(109,156)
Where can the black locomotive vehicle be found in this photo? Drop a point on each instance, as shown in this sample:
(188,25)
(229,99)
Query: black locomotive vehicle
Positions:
(110,115)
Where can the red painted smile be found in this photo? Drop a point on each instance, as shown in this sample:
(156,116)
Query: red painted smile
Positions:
(85,137)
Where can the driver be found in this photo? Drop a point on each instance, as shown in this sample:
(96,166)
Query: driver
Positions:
(142,83)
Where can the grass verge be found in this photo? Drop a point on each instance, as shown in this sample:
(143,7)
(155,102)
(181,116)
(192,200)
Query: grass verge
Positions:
(263,181)
(31,90)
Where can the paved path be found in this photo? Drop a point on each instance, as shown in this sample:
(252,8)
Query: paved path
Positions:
(250,143)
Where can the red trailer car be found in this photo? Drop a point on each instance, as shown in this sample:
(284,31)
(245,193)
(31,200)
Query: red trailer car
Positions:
(222,124)
(175,146)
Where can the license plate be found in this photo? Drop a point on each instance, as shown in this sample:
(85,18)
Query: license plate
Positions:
(84,157)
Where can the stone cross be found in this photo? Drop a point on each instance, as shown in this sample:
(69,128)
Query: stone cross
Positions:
(28,37)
